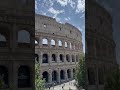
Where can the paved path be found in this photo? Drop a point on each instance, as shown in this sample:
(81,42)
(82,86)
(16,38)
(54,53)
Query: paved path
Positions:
(66,86)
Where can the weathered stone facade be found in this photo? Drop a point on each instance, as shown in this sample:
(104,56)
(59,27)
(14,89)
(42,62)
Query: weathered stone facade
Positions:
(17,52)
(100,47)
(58,48)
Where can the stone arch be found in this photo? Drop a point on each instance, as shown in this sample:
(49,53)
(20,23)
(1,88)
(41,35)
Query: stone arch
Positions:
(45,58)
(44,41)
(52,42)
(3,41)
(54,76)
(36,41)
(91,76)
(59,43)
(77,59)
(69,73)
(61,57)
(73,72)
(54,58)
(66,44)
(62,74)
(4,76)
(23,36)
(36,58)
(68,58)
(45,75)
(24,76)
(70,45)
(73,58)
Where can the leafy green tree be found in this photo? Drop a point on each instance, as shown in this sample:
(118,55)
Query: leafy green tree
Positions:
(112,80)
(39,83)
(80,75)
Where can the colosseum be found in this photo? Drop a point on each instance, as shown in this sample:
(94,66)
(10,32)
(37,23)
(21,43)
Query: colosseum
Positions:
(100,46)
(58,48)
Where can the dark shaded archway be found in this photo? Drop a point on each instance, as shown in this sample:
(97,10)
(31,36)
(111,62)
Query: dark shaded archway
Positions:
(45,58)
(62,74)
(4,76)
(54,76)
(69,73)
(45,76)
(36,58)
(24,77)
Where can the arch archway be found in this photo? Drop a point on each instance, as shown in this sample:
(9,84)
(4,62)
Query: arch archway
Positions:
(62,74)
(24,77)
(67,58)
(45,58)
(45,75)
(69,73)
(36,58)
(54,76)
(61,57)
(54,57)
(44,41)
(4,76)
(3,41)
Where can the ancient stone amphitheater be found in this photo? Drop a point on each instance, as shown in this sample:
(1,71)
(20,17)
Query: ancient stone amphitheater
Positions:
(100,46)
(58,48)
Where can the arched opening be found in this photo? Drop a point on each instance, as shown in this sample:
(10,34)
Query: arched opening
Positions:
(61,57)
(70,46)
(44,42)
(4,77)
(69,73)
(54,76)
(3,41)
(73,58)
(91,76)
(73,73)
(65,44)
(67,58)
(52,42)
(24,77)
(59,43)
(101,76)
(62,74)
(46,76)
(54,58)
(36,58)
(36,42)
(77,58)
(23,38)
(45,58)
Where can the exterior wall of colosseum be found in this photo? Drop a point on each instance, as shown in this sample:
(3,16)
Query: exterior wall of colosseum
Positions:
(16,53)
(100,47)
(60,45)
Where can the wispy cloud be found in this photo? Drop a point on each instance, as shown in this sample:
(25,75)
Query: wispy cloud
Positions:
(67,19)
(55,12)
(62,2)
(80,6)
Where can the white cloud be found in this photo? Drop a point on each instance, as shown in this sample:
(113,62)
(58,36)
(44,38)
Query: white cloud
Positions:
(72,4)
(36,7)
(55,12)
(80,6)
(62,2)
(67,19)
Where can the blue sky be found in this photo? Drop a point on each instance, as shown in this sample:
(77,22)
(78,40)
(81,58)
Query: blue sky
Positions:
(71,11)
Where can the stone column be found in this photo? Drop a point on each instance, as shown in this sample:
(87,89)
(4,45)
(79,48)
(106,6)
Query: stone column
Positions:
(49,42)
(50,76)
(66,77)
(56,43)
(49,58)
(71,73)
(40,58)
(58,76)
(57,57)
(40,41)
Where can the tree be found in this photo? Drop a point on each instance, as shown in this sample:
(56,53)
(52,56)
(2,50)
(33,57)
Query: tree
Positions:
(39,83)
(80,75)
(112,80)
